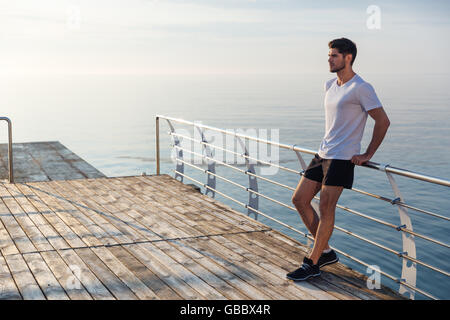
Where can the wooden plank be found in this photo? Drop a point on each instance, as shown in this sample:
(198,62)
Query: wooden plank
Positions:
(112,234)
(146,214)
(231,219)
(217,268)
(23,278)
(50,224)
(266,246)
(190,216)
(274,274)
(344,284)
(122,202)
(132,202)
(7,245)
(256,264)
(341,271)
(87,170)
(51,163)
(87,278)
(25,165)
(116,202)
(44,161)
(196,226)
(337,274)
(303,296)
(10,196)
(8,288)
(66,276)
(15,231)
(161,289)
(179,270)
(65,211)
(81,216)
(105,275)
(36,213)
(55,166)
(124,224)
(163,272)
(96,290)
(45,204)
(129,240)
(142,291)
(278,266)
(56,261)
(118,219)
(227,213)
(162,220)
(45,278)
(169,194)
(127,277)
(207,276)
(209,231)
(173,220)
(204,246)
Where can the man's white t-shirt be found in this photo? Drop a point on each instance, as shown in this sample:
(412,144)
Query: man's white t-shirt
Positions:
(346,109)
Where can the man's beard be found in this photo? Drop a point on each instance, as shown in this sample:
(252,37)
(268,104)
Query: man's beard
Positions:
(338,68)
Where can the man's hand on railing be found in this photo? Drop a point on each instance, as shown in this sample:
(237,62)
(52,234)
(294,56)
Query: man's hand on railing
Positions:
(360,159)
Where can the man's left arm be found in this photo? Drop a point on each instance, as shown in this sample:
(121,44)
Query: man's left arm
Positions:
(379,131)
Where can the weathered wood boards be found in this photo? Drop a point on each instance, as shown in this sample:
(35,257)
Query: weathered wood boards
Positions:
(148,237)
(44,161)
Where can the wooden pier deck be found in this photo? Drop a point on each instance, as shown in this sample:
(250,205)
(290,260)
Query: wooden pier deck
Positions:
(45,161)
(149,237)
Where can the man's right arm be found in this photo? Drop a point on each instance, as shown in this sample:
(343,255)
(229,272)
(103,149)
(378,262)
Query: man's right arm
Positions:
(382,124)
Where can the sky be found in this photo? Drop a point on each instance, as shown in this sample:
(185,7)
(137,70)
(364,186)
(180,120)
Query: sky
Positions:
(219,37)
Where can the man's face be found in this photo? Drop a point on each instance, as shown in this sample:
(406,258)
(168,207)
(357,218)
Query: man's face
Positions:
(336,60)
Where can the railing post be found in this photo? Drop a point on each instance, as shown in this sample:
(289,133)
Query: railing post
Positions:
(157,147)
(253,198)
(409,268)
(178,151)
(211,179)
(10,151)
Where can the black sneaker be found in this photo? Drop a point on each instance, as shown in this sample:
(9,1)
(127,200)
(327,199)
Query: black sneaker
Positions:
(327,258)
(306,271)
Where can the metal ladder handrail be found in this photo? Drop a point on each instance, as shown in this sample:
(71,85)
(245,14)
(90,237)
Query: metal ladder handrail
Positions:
(10,151)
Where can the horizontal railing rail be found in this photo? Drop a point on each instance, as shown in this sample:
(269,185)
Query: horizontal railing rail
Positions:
(369,164)
(408,278)
(399,228)
(396,201)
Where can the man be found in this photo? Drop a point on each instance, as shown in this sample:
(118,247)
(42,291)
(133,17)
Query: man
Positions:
(348,101)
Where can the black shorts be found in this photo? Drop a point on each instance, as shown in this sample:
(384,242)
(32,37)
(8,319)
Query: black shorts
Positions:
(331,172)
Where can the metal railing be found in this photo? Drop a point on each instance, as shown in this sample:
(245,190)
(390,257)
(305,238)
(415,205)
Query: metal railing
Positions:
(10,151)
(407,280)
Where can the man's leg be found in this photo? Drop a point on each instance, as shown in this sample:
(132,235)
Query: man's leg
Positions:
(302,197)
(329,196)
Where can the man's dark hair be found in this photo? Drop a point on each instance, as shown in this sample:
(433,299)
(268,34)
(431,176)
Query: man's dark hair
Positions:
(344,46)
